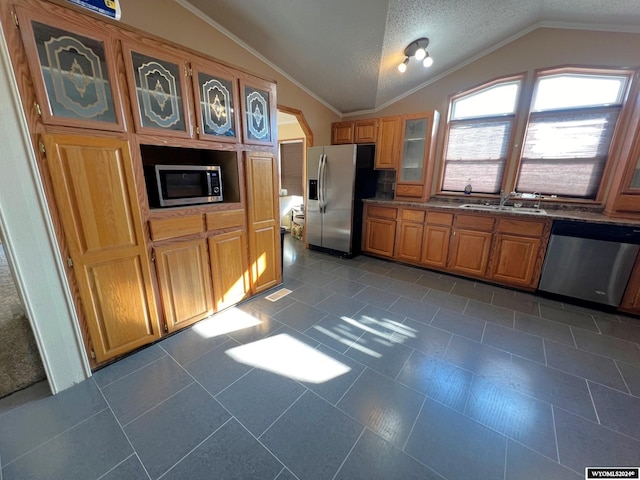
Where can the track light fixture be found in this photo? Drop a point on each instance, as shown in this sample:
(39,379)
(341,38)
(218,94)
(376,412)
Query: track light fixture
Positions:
(417,49)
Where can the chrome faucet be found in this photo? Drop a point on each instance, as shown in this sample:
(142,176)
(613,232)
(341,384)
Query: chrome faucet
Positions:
(539,197)
(504,197)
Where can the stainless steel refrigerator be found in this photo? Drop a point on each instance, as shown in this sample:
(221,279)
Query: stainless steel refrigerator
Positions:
(338,178)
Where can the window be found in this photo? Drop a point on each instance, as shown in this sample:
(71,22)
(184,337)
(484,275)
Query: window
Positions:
(571,125)
(566,140)
(480,129)
(291,159)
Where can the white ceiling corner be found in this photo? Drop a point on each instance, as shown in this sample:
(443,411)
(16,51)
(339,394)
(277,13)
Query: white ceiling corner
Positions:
(345,52)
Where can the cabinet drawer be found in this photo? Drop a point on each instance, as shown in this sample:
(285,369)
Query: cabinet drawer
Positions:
(175,227)
(409,190)
(413,215)
(472,222)
(382,212)
(227,219)
(439,218)
(521,227)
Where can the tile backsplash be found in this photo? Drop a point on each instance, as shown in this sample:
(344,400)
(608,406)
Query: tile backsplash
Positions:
(385,186)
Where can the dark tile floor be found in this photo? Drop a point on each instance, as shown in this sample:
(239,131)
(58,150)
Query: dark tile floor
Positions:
(367,370)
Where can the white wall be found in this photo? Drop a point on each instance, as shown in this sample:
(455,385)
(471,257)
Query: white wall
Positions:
(29,241)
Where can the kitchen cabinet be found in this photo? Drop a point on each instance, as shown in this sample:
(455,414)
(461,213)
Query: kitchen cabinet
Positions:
(158,90)
(631,299)
(387,143)
(258,101)
(471,244)
(366,131)
(94,188)
(73,62)
(410,235)
(184,279)
(141,98)
(624,198)
(517,251)
(342,133)
(263,215)
(437,235)
(416,151)
(230,268)
(379,230)
(216,96)
(359,131)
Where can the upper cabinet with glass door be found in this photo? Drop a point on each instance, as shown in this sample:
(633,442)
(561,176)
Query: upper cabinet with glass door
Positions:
(258,111)
(624,200)
(216,94)
(417,143)
(72,62)
(159,91)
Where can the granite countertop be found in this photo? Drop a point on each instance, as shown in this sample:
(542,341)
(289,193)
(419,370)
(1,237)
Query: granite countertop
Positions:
(579,214)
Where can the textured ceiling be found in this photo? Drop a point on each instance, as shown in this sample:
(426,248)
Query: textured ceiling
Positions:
(346,52)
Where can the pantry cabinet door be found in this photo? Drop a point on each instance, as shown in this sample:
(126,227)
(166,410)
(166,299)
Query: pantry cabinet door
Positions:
(96,196)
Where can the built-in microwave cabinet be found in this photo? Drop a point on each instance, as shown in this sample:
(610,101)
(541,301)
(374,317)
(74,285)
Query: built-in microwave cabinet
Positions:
(72,63)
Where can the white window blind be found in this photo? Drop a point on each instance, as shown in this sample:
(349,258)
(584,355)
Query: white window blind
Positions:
(477,153)
(565,152)
(291,159)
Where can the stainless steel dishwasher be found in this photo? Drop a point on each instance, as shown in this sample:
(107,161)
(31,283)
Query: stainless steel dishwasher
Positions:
(589,261)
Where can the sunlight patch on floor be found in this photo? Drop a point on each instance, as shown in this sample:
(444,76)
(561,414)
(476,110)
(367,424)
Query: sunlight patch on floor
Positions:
(284,355)
(231,320)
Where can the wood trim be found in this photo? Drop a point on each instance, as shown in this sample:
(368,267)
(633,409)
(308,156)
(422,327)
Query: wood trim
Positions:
(302,121)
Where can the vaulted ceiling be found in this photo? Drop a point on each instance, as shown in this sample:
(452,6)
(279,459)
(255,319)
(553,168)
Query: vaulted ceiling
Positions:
(346,52)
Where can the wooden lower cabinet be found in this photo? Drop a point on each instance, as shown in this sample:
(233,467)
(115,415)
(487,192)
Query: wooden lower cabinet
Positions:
(184,278)
(379,236)
(435,247)
(94,188)
(498,248)
(263,215)
(409,243)
(515,259)
(470,252)
(229,268)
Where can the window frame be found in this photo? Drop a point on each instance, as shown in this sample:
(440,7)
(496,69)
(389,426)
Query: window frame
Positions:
(614,146)
(517,77)
(521,124)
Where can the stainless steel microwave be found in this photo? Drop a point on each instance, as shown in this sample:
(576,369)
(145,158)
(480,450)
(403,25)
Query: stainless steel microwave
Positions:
(173,185)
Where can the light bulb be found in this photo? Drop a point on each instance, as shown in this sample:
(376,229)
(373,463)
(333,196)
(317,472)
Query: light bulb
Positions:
(403,66)
(427,62)
(420,54)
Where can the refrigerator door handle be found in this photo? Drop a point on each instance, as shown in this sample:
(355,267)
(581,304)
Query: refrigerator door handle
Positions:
(321,181)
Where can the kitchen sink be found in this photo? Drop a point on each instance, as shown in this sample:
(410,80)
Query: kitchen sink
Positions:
(498,208)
